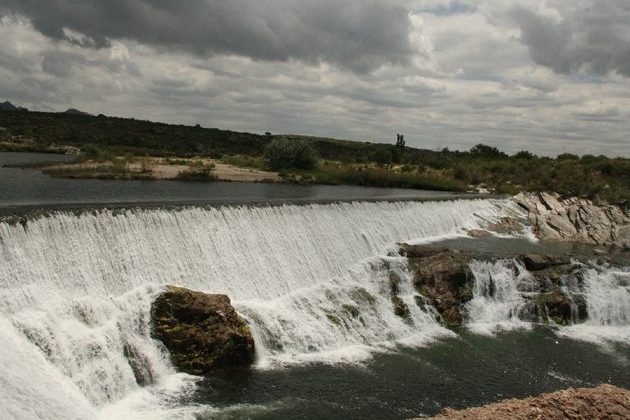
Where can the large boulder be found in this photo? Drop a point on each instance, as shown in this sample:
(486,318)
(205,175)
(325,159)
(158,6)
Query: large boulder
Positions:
(202,331)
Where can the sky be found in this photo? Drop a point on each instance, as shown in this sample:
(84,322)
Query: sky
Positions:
(549,76)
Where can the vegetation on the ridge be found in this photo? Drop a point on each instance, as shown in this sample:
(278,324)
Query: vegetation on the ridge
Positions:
(106,139)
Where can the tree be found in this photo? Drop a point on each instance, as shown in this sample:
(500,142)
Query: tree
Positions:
(400,142)
(284,153)
(486,151)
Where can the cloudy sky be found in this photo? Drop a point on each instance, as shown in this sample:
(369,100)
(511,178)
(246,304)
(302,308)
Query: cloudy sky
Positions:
(550,76)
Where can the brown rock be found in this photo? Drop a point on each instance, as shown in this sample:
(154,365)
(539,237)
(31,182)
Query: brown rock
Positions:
(478,233)
(442,276)
(202,331)
(603,402)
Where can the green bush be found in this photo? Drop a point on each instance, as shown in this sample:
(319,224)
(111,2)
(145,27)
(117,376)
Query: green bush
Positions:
(283,153)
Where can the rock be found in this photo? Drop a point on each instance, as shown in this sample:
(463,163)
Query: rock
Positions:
(576,220)
(445,281)
(478,233)
(202,331)
(506,226)
(443,277)
(622,237)
(561,308)
(604,402)
(535,262)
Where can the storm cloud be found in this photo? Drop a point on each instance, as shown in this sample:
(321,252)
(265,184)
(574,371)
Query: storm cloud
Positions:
(357,35)
(549,76)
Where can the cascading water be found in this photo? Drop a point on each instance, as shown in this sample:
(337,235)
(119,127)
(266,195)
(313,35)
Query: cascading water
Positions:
(315,283)
(504,295)
(498,295)
(75,292)
(607,292)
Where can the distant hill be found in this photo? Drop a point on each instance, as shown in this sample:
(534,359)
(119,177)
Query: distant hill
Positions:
(8,106)
(73,111)
(124,135)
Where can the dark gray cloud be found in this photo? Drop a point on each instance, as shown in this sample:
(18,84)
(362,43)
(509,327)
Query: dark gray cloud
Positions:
(593,37)
(361,36)
(469,78)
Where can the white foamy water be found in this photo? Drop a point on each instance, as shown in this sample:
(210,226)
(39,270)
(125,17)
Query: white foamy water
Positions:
(500,301)
(607,292)
(75,294)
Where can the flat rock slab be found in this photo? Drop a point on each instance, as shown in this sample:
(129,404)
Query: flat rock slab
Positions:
(603,402)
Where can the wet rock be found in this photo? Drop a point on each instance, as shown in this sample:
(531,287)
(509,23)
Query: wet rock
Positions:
(445,281)
(536,262)
(507,226)
(442,276)
(478,233)
(202,331)
(604,402)
(562,308)
(576,220)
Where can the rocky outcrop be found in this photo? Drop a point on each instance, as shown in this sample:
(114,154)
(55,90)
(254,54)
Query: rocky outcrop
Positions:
(202,331)
(576,220)
(443,277)
(603,402)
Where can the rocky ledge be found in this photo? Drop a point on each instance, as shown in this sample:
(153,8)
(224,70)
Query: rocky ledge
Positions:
(444,277)
(202,331)
(603,402)
(576,220)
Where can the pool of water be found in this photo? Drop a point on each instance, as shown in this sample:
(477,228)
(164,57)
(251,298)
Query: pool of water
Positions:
(466,371)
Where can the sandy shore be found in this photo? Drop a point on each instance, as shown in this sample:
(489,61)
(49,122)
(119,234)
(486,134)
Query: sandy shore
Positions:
(157,168)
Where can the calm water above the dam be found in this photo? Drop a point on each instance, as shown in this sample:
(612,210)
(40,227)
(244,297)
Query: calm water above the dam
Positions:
(29,187)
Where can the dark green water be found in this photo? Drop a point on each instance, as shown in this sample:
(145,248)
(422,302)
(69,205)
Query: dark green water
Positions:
(461,372)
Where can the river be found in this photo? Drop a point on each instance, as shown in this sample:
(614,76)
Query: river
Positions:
(76,289)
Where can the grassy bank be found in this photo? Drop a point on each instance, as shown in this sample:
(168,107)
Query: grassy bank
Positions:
(106,139)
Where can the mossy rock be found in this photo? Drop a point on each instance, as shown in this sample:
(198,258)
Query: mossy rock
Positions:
(202,331)
(400,308)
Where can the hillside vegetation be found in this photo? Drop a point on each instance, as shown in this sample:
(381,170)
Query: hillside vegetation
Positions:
(340,161)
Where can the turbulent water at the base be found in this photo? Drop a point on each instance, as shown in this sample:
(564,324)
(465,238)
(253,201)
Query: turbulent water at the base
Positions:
(76,291)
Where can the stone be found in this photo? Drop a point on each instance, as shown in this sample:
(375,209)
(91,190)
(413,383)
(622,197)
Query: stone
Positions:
(478,233)
(202,331)
(603,402)
(537,262)
(445,281)
(443,277)
(576,220)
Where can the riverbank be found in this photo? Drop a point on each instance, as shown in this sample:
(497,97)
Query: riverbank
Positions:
(603,402)
(154,168)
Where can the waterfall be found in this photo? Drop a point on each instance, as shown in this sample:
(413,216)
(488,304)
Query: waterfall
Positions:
(503,290)
(498,295)
(607,292)
(76,289)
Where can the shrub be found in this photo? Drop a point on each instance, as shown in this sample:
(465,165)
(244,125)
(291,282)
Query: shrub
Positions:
(283,153)
(199,174)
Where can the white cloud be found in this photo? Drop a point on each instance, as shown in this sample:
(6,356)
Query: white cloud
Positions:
(470,78)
